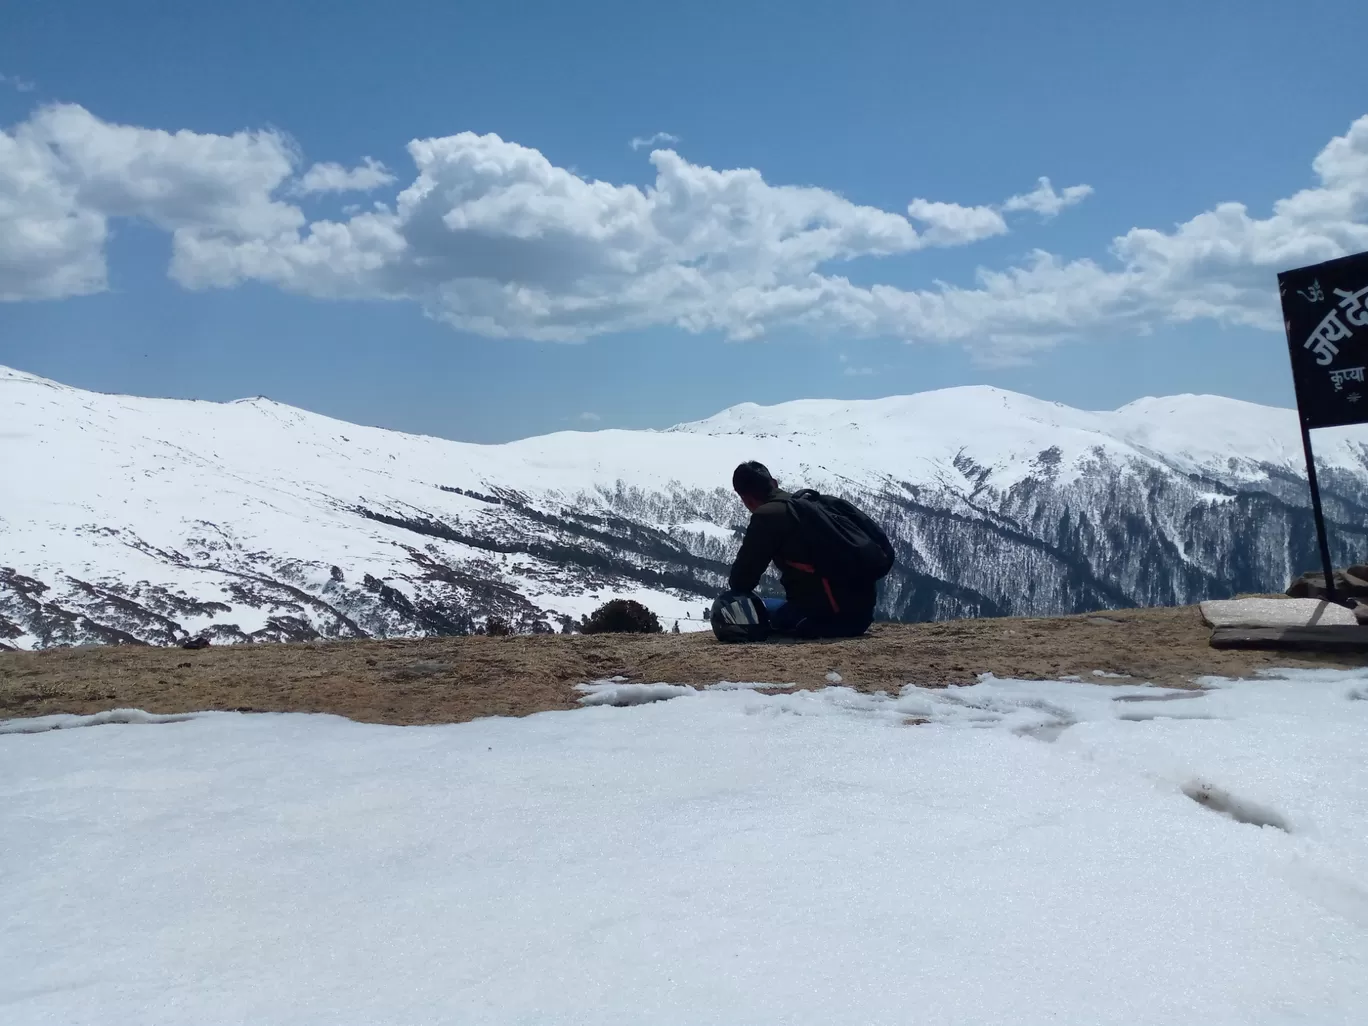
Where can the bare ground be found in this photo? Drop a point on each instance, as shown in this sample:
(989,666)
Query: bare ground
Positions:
(447,680)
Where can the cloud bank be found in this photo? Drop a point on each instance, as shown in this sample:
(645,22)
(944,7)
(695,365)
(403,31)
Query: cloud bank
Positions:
(491,237)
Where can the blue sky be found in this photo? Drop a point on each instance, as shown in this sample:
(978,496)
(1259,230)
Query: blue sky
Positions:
(419,320)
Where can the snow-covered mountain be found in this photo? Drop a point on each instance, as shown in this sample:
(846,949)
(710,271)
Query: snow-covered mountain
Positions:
(152,519)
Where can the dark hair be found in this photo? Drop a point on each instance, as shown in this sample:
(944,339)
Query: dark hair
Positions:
(753,480)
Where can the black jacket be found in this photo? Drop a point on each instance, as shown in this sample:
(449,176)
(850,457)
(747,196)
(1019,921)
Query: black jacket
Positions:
(775,536)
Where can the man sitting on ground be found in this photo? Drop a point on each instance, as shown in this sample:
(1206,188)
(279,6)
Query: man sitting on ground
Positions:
(829,555)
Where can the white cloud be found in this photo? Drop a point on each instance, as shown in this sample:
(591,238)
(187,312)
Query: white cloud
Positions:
(954,225)
(1045,201)
(660,138)
(50,246)
(589,418)
(64,173)
(850,370)
(370,175)
(19,85)
(493,238)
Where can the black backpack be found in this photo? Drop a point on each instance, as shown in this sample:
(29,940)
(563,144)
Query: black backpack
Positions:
(846,545)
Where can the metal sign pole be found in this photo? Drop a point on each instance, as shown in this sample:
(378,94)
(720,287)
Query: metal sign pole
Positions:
(1319,515)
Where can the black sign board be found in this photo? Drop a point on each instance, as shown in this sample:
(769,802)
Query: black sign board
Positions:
(1325,311)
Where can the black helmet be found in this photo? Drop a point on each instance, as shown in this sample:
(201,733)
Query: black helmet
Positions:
(740,617)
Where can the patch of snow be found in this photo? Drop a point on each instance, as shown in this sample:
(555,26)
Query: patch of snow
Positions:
(708,528)
(66,721)
(613,693)
(1003,852)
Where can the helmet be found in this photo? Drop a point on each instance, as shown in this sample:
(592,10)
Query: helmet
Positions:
(738,617)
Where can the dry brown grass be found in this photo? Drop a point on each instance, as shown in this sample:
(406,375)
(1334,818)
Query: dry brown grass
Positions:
(445,680)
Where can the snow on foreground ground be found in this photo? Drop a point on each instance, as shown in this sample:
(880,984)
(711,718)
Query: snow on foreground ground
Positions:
(1032,854)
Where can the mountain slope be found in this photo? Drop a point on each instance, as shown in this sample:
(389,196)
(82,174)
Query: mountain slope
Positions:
(130,519)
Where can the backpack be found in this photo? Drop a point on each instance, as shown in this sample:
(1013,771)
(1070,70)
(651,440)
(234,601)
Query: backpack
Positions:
(846,545)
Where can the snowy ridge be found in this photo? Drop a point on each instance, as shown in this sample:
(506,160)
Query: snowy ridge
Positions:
(131,519)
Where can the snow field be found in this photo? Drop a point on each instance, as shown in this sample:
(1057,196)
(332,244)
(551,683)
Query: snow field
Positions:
(1009,852)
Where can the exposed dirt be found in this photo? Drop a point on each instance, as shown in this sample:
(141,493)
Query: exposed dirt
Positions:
(454,679)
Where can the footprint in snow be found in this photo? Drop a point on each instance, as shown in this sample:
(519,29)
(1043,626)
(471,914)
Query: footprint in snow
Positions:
(1208,795)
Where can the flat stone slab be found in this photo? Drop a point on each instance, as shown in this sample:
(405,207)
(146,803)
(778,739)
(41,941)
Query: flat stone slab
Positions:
(1271,612)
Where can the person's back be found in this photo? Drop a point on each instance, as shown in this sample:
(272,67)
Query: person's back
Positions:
(821,600)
